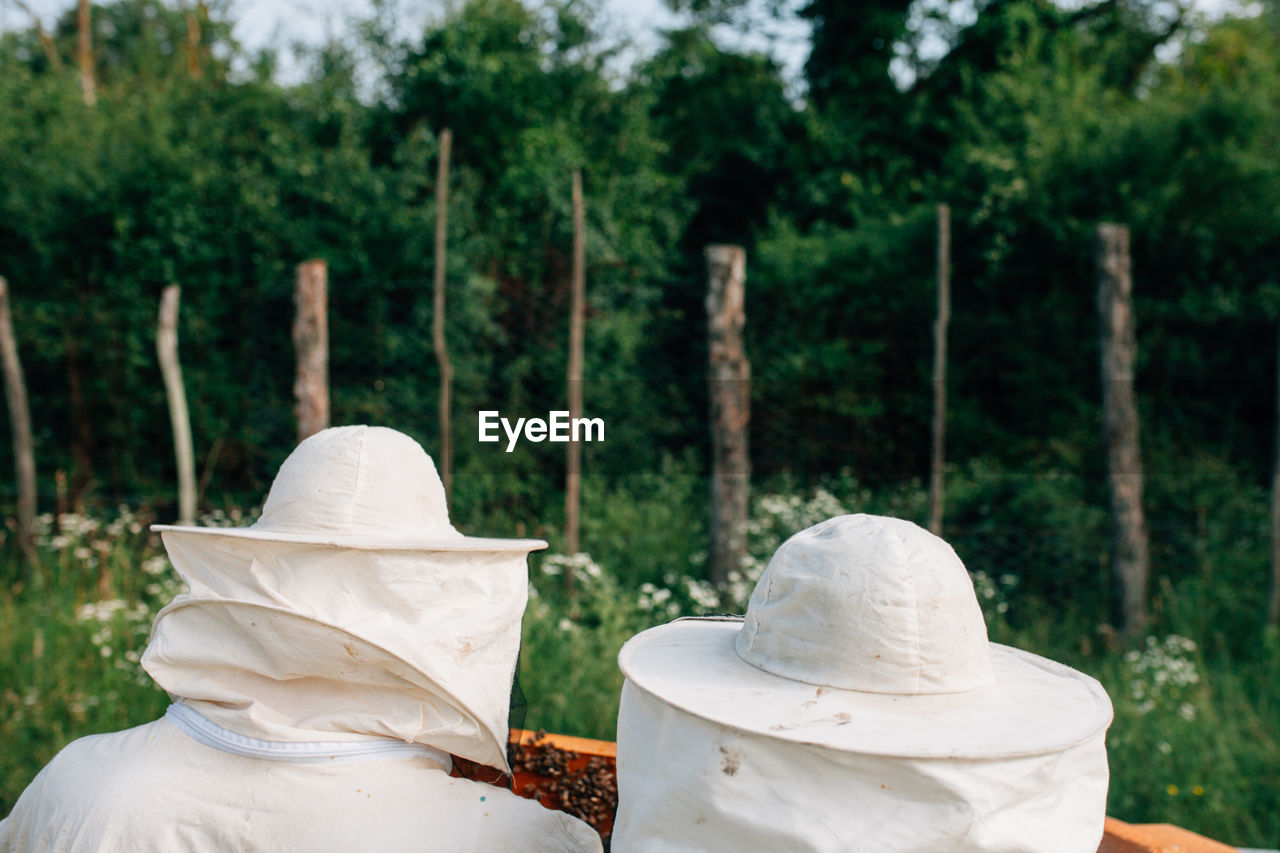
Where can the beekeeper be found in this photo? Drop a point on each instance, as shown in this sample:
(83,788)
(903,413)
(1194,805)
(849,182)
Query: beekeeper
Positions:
(324,666)
(858,706)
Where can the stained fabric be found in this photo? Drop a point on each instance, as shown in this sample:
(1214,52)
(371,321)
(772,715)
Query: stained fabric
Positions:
(688,784)
(286,640)
(857,706)
(152,789)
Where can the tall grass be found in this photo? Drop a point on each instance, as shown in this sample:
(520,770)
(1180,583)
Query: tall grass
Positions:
(1196,739)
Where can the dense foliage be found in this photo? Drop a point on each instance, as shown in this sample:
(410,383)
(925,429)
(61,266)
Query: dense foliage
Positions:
(196,165)
(1038,123)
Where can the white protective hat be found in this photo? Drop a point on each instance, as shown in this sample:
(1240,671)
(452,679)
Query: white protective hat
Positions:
(860,690)
(352,607)
(360,487)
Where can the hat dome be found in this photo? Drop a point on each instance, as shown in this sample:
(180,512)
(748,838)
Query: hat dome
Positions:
(358,479)
(360,487)
(872,604)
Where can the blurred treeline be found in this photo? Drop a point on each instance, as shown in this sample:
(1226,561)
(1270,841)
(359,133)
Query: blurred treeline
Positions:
(196,166)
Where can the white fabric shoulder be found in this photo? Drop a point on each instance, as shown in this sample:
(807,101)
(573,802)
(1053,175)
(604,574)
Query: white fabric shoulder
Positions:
(214,736)
(153,789)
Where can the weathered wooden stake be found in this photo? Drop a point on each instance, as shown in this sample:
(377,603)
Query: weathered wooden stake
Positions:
(62,502)
(936,493)
(438,342)
(84,52)
(1130,554)
(437,319)
(24,460)
(311,343)
(193,39)
(1273,605)
(46,42)
(210,465)
(577,310)
(171,370)
(729,391)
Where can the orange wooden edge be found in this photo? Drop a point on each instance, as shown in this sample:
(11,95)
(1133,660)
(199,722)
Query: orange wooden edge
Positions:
(1122,837)
(580,745)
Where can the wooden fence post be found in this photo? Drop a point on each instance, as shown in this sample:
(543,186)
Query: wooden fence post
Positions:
(46,42)
(936,494)
(171,370)
(84,52)
(437,318)
(1130,555)
(311,343)
(62,501)
(577,309)
(24,461)
(729,392)
(193,38)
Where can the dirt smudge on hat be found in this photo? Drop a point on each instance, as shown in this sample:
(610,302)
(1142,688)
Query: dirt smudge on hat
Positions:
(732,759)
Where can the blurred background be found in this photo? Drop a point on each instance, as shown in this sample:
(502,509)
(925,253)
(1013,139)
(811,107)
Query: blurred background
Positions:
(218,145)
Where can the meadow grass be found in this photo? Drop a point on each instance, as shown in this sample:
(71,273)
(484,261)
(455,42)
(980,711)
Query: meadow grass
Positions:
(1195,742)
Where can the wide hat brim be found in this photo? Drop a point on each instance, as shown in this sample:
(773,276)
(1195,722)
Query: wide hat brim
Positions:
(406,541)
(1036,705)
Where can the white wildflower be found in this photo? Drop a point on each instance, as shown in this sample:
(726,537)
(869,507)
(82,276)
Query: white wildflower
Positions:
(702,593)
(1162,673)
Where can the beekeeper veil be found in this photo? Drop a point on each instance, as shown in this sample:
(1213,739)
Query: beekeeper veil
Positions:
(351,608)
(858,706)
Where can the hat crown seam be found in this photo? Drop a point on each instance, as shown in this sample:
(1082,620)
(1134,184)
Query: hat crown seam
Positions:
(909,585)
(355,485)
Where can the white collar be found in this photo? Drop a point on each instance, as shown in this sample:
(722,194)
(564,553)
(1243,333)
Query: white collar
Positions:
(210,734)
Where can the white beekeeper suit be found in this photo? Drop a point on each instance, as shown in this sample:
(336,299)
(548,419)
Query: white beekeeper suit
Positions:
(325,664)
(858,706)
